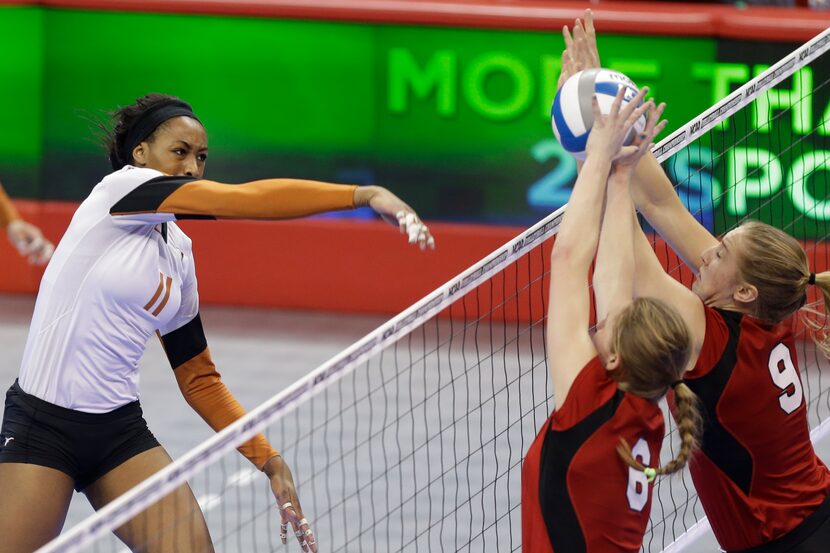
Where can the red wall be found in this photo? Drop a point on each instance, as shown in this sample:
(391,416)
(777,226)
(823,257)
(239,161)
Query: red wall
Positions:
(329,265)
(312,264)
(754,23)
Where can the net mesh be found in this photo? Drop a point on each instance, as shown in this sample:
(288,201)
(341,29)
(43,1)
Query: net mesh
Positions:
(413,439)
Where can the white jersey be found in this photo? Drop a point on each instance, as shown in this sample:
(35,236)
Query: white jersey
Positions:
(124,271)
(113,282)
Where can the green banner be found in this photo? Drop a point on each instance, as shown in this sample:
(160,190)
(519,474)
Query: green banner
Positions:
(771,160)
(457,121)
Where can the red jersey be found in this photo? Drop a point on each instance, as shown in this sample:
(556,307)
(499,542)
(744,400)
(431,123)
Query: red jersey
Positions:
(757,474)
(577,493)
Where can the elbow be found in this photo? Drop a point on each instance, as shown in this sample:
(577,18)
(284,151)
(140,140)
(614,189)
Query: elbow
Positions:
(560,253)
(569,257)
(647,208)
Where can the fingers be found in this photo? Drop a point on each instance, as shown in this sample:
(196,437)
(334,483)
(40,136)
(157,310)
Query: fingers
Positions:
(590,32)
(654,119)
(42,254)
(579,31)
(27,245)
(416,231)
(615,107)
(629,155)
(28,240)
(306,536)
(626,151)
(567,67)
(588,17)
(292,515)
(628,113)
(598,117)
(401,217)
(591,38)
(637,113)
(634,106)
(580,43)
(569,41)
(654,125)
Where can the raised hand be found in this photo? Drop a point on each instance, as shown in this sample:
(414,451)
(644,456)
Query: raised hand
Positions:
(643,142)
(582,45)
(569,67)
(609,131)
(580,51)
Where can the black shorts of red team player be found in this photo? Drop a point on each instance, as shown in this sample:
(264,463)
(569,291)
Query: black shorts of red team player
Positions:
(85,446)
(811,536)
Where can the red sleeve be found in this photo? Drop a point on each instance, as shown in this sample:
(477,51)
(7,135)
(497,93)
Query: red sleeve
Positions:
(591,389)
(714,342)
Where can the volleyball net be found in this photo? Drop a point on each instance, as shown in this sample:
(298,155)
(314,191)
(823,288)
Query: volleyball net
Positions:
(412,439)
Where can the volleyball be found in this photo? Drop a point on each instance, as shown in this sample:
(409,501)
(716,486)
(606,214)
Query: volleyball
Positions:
(571,115)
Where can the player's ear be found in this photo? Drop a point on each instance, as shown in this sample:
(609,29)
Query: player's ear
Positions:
(613,362)
(140,154)
(745,293)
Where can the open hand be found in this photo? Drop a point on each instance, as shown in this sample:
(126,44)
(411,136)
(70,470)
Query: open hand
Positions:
(643,142)
(609,131)
(580,51)
(582,44)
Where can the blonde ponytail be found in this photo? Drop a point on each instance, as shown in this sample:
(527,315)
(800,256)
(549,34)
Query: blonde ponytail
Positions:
(818,325)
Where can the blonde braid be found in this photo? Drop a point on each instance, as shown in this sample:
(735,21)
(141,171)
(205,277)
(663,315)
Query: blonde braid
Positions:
(688,424)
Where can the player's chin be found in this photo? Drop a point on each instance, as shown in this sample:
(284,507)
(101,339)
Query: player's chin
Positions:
(699,289)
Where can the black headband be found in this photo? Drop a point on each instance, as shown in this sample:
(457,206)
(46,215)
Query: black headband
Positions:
(147,123)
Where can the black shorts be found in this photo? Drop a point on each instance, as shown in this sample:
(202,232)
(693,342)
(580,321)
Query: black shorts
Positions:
(811,536)
(85,446)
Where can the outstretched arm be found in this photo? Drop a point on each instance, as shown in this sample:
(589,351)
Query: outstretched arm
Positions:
(27,239)
(615,264)
(651,190)
(655,197)
(145,198)
(569,345)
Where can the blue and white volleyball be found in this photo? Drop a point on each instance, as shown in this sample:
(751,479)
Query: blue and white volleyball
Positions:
(571,115)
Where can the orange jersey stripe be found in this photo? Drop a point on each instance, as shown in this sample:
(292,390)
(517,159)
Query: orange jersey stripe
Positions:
(156,295)
(166,297)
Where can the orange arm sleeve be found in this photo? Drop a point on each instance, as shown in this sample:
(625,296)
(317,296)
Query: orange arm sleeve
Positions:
(204,391)
(7,211)
(186,198)
(263,199)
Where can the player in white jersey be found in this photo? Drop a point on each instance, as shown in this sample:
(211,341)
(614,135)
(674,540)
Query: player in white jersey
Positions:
(123,272)
(26,238)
